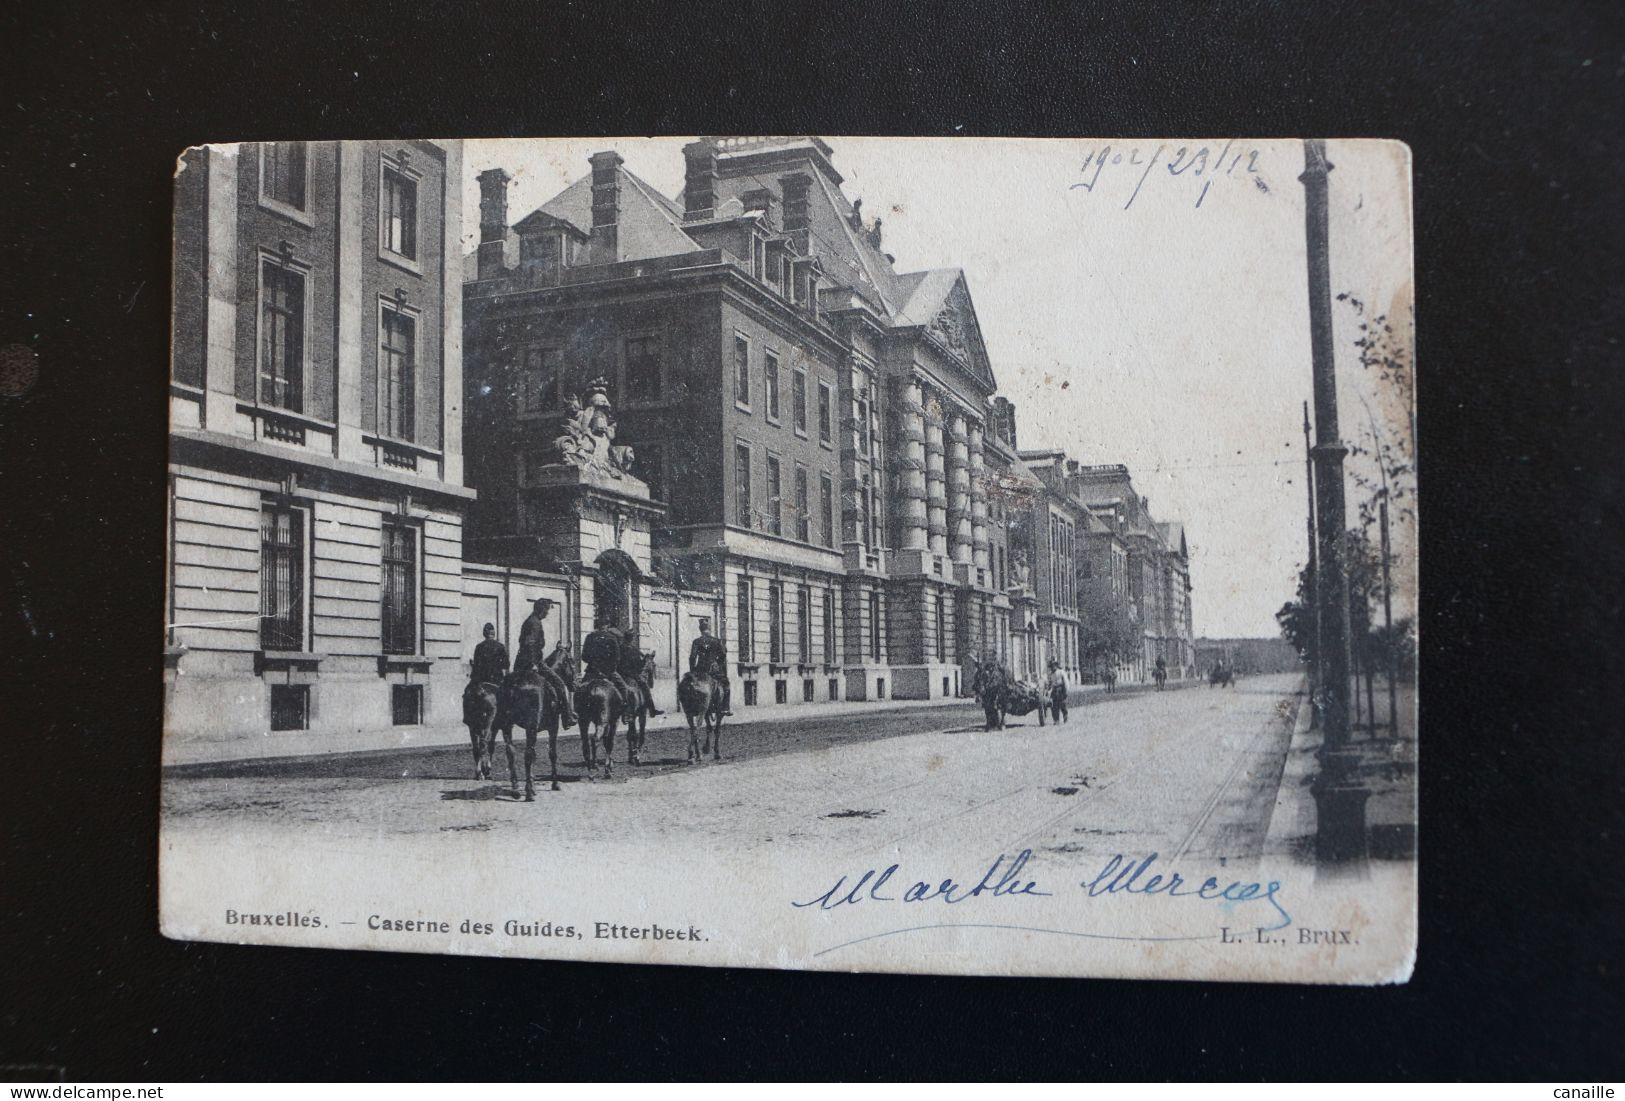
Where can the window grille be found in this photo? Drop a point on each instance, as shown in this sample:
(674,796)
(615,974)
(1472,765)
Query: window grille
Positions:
(282,578)
(400,604)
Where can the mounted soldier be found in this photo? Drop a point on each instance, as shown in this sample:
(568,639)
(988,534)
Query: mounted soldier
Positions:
(636,668)
(708,657)
(490,660)
(533,654)
(601,655)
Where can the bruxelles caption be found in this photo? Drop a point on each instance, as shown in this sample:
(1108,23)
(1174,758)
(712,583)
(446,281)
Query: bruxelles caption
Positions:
(513,927)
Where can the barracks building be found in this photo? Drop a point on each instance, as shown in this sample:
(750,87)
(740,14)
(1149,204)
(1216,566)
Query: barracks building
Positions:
(807,446)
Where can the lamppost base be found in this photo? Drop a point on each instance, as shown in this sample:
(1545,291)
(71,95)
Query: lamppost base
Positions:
(1341,844)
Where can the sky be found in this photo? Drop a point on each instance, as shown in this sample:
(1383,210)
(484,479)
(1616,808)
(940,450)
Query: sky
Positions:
(1143,302)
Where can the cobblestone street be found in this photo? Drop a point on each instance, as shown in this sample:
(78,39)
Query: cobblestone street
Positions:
(1190,772)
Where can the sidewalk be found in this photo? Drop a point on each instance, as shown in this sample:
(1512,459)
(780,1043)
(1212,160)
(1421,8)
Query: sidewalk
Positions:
(1388,767)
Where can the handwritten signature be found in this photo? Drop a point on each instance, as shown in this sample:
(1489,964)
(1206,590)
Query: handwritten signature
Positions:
(1006,878)
(1191,162)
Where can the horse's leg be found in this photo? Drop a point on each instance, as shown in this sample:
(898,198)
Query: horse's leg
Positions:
(476,734)
(530,761)
(611,721)
(513,768)
(553,748)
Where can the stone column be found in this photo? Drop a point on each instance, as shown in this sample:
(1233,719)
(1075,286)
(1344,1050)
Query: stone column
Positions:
(978,500)
(936,495)
(959,511)
(911,470)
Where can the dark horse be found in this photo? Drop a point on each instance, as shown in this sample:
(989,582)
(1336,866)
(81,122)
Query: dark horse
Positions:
(481,702)
(1221,675)
(701,698)
(989,686)
(600,709)
(526,701)
(1160,675)
(1109,678)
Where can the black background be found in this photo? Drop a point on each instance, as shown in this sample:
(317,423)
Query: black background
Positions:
(1512,111)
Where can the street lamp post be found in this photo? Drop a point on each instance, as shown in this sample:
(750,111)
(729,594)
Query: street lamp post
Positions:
(1310,594)
(1340,833)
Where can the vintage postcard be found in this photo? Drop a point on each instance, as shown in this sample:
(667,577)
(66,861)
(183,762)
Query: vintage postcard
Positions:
(948,555)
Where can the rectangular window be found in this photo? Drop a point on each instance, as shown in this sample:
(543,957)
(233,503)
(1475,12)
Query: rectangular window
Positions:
(804,635)
(398,212)
(874,518)
(290,707)
(864,498)
(829,628)
(282,173)
(942,629)
(743,610)
(400,597)
(826,508)
(750,693)
(282,336)
(803,511)
(642,368)
(770,374)
(863,428)
(798,401)
(539,386)
(780,692)
(397,372)
(807,691)
(651,467)
(742,371)
(282,578)
(826,406)
(775,500)
(742,509)
(406,704)
(874,626)
(833,689)
(775,622)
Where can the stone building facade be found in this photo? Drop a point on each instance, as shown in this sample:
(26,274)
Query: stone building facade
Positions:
(316,495)
(1155,559)
(813,422)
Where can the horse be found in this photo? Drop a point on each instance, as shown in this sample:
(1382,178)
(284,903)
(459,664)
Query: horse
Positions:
(481,702)
(1221,675)
(637,718)
(600,704)
(1109,678)
(525,700)
(988,686)
(700,696)
(1160,675)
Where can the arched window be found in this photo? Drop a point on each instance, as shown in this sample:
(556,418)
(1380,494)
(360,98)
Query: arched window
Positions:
(615,591)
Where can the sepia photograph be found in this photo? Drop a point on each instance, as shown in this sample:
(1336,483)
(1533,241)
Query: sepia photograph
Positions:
(957,555)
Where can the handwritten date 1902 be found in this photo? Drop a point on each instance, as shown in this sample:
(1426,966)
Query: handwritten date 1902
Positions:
(1193,163)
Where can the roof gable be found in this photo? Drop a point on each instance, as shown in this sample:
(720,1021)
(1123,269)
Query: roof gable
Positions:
(939,302)
(648,225)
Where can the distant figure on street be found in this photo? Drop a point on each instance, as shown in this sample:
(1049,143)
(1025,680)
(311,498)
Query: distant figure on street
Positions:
(1160,674)
(707,656)
(1055,689)
(533,652)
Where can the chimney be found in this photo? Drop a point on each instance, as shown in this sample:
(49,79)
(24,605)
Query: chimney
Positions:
(794,189)
(699,180)
(761,198)
(606,207)
(493,222)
